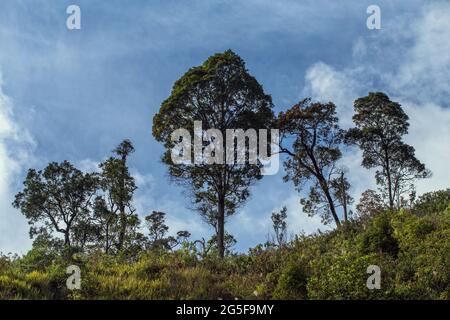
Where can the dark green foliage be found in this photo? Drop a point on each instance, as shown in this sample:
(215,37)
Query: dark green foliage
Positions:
(223,95)
(70,211)
(413,253)
(380,125)
(158,230)
(311,137)
(432,202)
(57,200)
(379,238)
(115,214)
(292,283)
(280,226)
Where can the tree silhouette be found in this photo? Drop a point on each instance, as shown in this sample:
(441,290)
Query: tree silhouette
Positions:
(114,211)
(57,198)
(156,224)
(311,137)
(280,226)
(380,125)
(223,95)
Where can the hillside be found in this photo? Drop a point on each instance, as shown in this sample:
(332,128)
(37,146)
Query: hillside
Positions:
(411,248)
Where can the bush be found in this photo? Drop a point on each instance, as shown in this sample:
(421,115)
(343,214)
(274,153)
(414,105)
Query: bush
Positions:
(412,251)
(432,202)
(379,237)
(292,283)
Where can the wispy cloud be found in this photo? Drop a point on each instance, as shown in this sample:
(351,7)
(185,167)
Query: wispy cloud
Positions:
(78,94)
(15,143)
(420,82)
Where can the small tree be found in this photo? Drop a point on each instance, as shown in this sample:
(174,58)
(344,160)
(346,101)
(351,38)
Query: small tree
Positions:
(57,199)
(370,203)
(311,137)
(280,226)
(432,202)
(157,228)
(229,243)
(156,224)
(380,125)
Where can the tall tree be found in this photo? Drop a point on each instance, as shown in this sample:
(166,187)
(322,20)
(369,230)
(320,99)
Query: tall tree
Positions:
(340,186)
(380,125)
(223,95)
(57,199)
(114,210)
(105,221)
(311,137)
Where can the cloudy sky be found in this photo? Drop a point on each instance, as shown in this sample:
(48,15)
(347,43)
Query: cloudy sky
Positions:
(76,94)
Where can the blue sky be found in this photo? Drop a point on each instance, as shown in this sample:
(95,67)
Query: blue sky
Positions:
(76,94)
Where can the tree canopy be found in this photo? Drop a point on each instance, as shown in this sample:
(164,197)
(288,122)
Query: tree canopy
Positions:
(222,95)
(380,125)
(312,139)
(56,199)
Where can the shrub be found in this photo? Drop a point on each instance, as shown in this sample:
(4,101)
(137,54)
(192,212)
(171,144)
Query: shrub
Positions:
(412,251)
(379,237)
(292,283)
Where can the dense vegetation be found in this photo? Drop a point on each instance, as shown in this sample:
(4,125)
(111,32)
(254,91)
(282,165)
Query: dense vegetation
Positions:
(88,220)
(411,247)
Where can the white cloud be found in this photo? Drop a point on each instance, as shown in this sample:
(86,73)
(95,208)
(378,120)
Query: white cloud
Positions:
(426,66)
(324,83)
(298,221)
(423,75)
(178,217)
(249,224)
(88,165)
(252,227)
(14,145)
(430,135)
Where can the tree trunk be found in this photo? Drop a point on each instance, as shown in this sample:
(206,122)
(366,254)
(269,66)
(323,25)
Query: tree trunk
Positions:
(325,188)
(324,185)
(344,197)
(122,227)
(389,180)
(221,226)
(123,218)
(391,200)
(107,239)
(67,238)
(332,207)
(326,191)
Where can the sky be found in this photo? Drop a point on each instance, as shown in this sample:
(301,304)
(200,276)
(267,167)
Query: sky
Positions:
(75,94)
